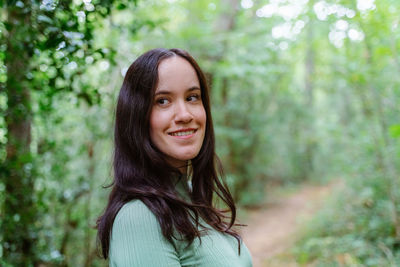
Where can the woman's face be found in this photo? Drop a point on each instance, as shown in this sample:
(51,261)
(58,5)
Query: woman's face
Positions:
(178,118)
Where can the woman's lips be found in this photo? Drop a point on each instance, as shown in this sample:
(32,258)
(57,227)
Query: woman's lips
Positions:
(184,133)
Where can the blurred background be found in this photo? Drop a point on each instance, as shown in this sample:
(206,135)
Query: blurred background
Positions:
(303,92)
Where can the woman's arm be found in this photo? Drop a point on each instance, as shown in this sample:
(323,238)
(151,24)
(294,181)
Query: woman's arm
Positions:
(137,239)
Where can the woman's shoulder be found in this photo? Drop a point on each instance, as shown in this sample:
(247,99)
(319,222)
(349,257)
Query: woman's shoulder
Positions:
(134,212)
(134,223)
(137,239)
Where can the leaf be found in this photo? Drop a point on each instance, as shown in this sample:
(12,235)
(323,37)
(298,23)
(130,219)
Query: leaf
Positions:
(394,130)
(43,18)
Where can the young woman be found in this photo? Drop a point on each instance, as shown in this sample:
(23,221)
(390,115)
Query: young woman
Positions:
(161,210)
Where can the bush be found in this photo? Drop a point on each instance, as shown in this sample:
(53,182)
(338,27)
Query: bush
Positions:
(356,228)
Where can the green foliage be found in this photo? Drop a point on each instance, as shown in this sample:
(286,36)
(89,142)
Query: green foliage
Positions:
(45,47)
(360,226)
(356,227)
(288,105)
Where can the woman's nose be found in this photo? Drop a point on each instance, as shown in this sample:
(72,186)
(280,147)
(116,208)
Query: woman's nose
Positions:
(182,113)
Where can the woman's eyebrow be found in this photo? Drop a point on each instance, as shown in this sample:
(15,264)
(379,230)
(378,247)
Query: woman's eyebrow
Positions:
(194,88)
(162,92)
(166,92)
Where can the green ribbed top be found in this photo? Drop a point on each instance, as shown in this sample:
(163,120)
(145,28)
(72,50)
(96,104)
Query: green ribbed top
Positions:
(137,240)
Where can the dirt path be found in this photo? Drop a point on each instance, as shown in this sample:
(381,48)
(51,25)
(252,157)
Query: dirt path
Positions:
(272,229)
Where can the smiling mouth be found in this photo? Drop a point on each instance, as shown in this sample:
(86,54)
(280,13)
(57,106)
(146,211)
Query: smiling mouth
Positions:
(183,133)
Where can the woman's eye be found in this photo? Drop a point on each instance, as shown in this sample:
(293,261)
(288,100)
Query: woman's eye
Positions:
(162,101)
(194,97)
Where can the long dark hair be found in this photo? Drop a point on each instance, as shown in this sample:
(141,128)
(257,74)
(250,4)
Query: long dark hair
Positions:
(141,171)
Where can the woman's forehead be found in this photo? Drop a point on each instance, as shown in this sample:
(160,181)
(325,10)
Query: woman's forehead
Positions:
(176,72)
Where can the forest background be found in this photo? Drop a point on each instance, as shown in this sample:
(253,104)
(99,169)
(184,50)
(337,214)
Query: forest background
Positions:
(302,91)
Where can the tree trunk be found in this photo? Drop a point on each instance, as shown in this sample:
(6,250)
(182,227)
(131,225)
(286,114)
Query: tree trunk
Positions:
(88,231)
(309,97)
(18,224)
(226,23)
(383,142)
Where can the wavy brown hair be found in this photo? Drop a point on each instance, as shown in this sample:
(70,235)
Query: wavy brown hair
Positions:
(141,171)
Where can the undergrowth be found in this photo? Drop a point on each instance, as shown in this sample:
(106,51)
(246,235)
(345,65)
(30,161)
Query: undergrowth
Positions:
(355,228)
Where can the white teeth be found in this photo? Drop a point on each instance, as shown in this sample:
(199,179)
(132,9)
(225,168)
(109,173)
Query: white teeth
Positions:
(182,133)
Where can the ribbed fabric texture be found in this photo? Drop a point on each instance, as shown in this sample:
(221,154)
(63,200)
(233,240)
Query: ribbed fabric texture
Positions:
(137,240)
